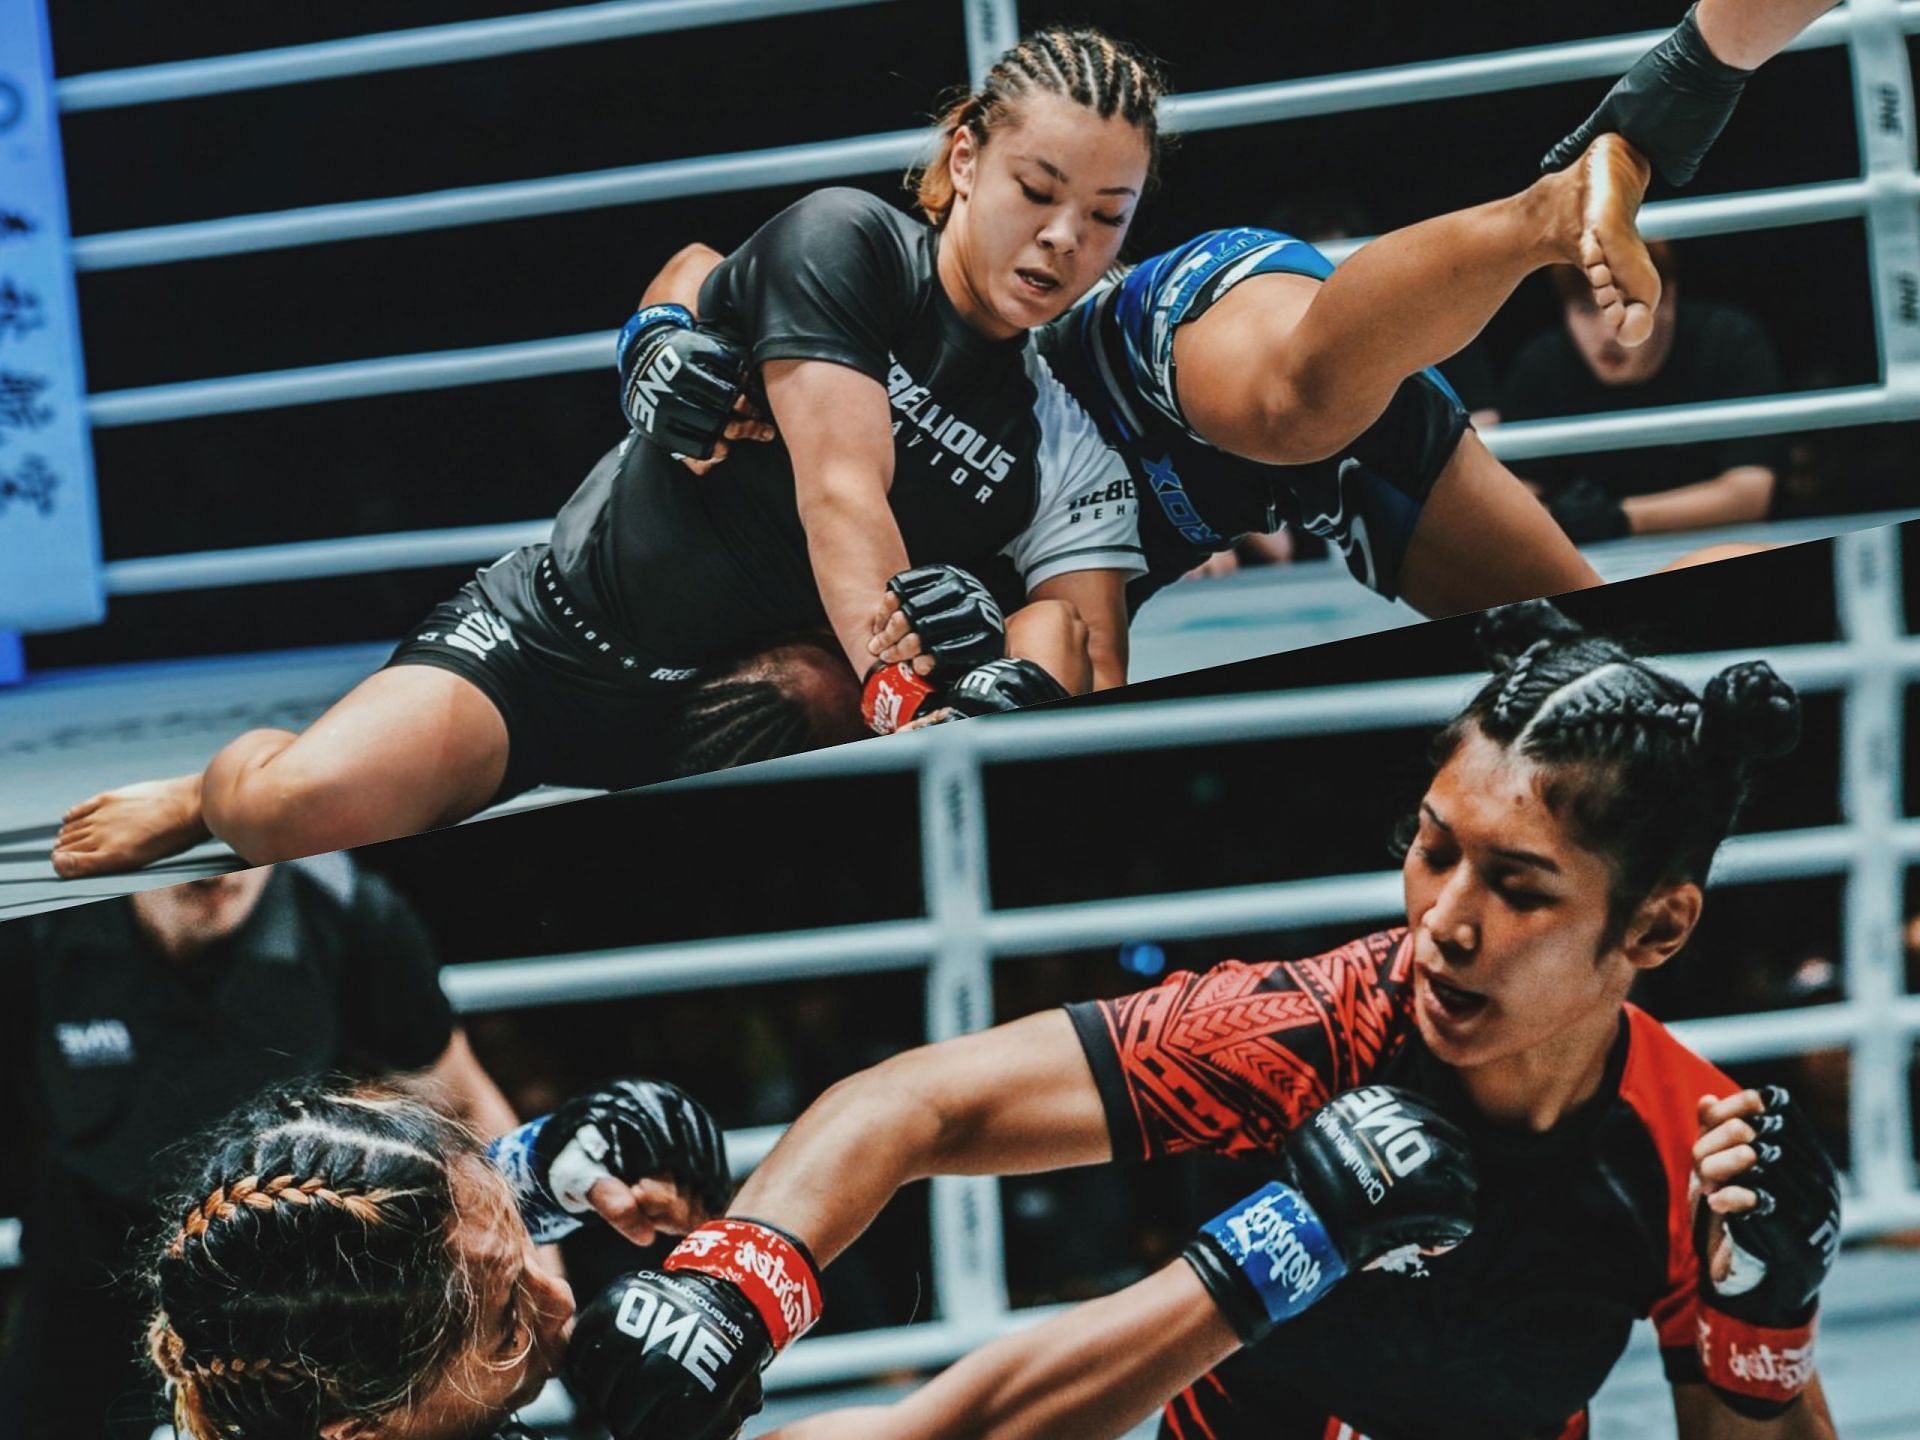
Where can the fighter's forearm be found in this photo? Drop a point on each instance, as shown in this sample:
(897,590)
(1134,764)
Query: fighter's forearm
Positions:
(1734,497)
(1093,1373)
(680,279)
(1748,33)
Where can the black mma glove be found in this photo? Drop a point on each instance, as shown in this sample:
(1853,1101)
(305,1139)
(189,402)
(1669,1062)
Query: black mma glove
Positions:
(633,1130)
(1756,1325)
(895,695)
(676,1357)
(958,621)
(677,384)
(1671,106)
(1370,1179)
(1001,685)
(1585,510)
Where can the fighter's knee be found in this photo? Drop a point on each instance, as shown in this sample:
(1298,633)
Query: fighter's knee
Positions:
(268,806)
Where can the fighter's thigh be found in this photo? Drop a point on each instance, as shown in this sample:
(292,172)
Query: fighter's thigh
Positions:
(411,745)
(1229,363)
(1483,539)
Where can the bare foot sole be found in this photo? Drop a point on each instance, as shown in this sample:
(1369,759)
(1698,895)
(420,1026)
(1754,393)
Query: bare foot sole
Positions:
(1626,286)
(124,829)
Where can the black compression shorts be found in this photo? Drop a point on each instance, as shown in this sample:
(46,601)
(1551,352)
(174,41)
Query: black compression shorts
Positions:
(579,707)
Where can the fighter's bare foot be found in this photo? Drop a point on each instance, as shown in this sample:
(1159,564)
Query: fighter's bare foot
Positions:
(1626,286)
(127,828)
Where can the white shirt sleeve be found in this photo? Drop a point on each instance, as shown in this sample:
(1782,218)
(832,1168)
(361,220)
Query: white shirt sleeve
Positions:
(1087,515)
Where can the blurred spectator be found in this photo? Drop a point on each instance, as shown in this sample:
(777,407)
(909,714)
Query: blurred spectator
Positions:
(1700,350)
(132,1023)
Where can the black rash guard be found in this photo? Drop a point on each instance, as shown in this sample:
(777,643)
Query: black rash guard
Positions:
(991,455)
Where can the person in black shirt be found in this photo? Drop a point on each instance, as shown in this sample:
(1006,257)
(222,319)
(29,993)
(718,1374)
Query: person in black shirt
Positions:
(1560,851)
(1699,350)
(131,1024)
(917,427)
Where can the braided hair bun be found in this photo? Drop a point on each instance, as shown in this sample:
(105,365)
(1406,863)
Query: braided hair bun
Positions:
(1751,712)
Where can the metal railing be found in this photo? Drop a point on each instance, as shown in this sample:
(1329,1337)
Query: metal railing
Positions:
(1886,196)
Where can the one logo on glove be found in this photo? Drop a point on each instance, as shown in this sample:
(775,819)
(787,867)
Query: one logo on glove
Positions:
(657,1325)
(1373,1115)
(1269,1228)
(654,384)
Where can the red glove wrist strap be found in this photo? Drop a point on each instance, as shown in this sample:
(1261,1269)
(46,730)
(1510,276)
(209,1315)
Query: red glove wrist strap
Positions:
(769,1269)
(893,695)
(1755,1360)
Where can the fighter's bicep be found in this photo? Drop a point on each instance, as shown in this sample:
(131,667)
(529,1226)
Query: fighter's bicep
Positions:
(833,418)
(1017,1098)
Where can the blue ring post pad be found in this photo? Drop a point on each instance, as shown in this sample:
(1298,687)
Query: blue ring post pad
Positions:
(1279,1245)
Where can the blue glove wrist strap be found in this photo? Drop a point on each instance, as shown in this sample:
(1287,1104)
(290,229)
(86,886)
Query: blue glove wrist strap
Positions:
(645,319)
(1280,1246)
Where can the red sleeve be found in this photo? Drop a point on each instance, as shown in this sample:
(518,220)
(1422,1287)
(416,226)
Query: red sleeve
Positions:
(1663,1082)
(1233,1059)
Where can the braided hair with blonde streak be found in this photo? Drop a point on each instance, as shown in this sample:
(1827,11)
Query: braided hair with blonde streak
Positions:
(311,1276)
(1650,774)
(1084,65)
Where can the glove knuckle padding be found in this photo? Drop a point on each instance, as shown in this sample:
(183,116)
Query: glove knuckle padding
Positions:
(678,384)
(957,619)
(1384,1170)
(670,1356)
(1002,685)
(646,1129)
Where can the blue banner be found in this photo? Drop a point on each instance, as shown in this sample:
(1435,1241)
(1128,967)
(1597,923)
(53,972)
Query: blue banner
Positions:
(49,528)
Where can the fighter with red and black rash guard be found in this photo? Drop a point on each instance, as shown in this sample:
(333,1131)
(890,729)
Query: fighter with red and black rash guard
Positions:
(991,455)
(1581,1231)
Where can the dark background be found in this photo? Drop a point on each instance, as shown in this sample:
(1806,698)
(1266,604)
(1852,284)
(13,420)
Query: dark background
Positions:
(514,451)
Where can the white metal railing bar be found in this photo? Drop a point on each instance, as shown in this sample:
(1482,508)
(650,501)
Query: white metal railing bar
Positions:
(1716,420)
(801,164)
(1867,583)
(354,379)
(320,559)
(694,965)
(515,360)
(511,200)
(477,986)
(993,28)
(406,49)
(1439,79)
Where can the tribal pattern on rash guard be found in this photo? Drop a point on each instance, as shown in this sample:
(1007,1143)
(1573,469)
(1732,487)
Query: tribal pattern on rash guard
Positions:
(1582,1230)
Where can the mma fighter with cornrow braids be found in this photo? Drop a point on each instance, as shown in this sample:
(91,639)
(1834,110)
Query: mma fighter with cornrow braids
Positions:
(921,438)
(1560,851)
(349,1264)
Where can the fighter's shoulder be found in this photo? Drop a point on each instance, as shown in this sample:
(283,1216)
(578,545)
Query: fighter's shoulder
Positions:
(1662,1081)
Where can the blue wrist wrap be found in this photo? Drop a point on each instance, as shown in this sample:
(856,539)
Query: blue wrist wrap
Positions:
(512,1155)
(644,319)
(1281,1247)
